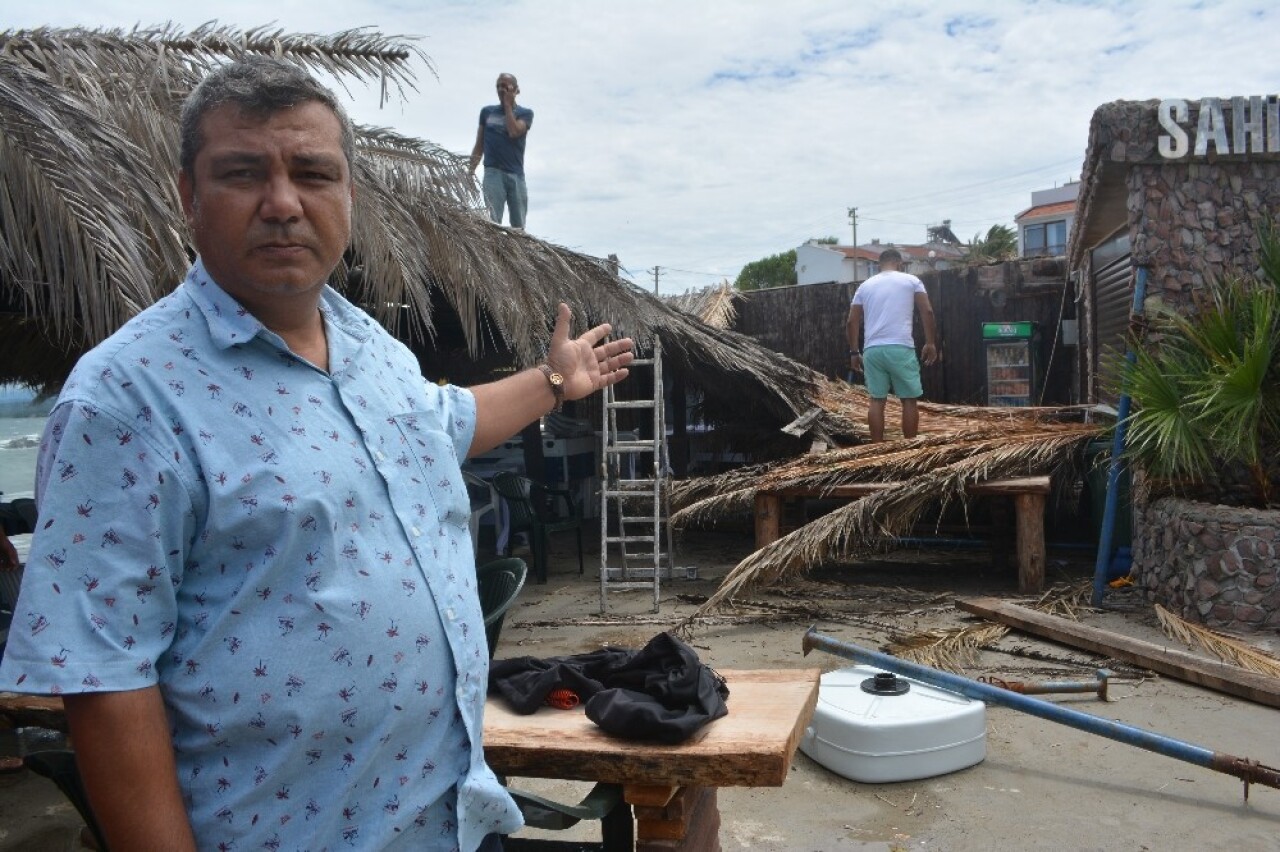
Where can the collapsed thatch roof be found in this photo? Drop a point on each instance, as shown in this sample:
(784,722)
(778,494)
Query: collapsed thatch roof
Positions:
(958,446)
(91,228)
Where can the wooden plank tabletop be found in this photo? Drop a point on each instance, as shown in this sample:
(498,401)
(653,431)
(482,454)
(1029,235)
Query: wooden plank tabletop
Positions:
(750,747)
(1017,485)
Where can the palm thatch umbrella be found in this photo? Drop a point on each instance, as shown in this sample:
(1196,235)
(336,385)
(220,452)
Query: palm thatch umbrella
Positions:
(91,229)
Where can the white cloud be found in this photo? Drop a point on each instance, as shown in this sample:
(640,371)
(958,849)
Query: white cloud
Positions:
(701,136)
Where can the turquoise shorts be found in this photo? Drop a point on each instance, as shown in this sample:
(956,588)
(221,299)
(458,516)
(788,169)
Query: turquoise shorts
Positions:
(895,367)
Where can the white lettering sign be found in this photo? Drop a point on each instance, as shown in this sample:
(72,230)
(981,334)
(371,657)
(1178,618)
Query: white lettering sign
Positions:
(1254,127)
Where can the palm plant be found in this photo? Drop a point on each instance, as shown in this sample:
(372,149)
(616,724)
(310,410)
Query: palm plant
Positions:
(1206,388)
(1000,243)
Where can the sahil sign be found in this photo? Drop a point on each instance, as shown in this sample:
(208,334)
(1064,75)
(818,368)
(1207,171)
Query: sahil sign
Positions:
(1254,127)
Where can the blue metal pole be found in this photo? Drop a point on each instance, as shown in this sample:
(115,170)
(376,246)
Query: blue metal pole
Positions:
(1249,771)
(1117,450)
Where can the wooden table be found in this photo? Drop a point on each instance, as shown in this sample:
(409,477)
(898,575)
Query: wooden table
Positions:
(671,788)
(1029,495)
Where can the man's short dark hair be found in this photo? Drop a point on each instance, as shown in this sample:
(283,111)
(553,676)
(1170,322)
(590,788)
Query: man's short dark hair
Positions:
(891,256)
(260,86)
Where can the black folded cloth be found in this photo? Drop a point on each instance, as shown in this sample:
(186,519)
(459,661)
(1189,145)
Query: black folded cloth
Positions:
(661,692)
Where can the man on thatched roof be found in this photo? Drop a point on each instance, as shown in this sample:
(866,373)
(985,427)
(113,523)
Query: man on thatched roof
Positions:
(252,581)
(500,139)
(886,303)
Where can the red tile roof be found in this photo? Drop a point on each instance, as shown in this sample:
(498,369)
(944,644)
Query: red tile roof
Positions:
(864,254)
(1047,210)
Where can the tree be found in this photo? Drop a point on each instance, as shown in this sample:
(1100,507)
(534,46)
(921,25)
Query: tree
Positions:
(1206,387)
(1000,243)
(778,270)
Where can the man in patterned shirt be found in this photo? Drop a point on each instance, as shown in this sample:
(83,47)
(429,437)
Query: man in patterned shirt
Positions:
(253,583)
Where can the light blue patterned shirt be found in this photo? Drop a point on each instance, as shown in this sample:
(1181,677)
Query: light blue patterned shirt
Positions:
(285,553)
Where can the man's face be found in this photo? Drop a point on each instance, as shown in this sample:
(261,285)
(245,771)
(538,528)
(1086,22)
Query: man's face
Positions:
(269,200)
(507,83)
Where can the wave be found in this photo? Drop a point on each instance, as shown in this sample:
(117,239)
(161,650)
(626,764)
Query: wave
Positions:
(21,442)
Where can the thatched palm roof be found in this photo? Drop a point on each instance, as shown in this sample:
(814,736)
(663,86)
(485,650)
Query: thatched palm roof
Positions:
(91,228)
(714,306)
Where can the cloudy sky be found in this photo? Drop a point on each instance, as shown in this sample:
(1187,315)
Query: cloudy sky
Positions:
(696,137)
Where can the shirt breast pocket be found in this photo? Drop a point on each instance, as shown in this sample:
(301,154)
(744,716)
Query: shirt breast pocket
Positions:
(431,460)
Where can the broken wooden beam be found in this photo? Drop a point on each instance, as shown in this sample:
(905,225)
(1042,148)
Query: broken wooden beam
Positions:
(1192,668)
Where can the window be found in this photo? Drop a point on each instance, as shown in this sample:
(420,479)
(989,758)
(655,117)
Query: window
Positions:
(1045,238)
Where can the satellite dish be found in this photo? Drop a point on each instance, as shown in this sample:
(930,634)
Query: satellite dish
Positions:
(999,298)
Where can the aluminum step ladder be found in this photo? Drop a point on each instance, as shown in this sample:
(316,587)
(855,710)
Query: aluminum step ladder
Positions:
(634,479)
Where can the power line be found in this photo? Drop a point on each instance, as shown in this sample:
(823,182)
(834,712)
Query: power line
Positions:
(1000,179)
(820,220)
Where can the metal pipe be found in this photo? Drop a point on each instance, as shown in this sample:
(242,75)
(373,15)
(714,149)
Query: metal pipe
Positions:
(1098,686)
(1103,562)
(1249,771)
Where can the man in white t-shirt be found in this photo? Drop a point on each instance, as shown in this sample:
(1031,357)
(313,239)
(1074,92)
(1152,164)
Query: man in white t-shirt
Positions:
(886,355)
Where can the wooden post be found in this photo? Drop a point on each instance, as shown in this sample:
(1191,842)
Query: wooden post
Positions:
(1030,511)
(768,518)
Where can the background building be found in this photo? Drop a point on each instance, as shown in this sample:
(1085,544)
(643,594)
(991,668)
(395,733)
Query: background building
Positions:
(1044,226)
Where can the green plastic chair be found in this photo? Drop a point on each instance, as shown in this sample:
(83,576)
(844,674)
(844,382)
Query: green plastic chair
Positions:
(498,583)
(603,803)
(537,509)
(59,766)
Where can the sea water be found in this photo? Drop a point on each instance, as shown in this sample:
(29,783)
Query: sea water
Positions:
(22,417)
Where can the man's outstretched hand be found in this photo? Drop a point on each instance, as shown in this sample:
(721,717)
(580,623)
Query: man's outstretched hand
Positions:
(589,361)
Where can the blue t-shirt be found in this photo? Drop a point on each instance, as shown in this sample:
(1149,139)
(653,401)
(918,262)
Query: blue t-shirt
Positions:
(500,150)
(285,553)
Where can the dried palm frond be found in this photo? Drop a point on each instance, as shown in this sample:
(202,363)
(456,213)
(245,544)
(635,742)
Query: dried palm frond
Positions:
(714,306)
(76,205)
(956,648)
(1225,648)
(953,649)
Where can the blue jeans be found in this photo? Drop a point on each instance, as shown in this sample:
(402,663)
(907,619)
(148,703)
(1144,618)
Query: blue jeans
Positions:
(505,189)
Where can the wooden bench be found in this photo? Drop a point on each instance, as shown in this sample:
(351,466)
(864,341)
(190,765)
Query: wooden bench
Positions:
(1029,497)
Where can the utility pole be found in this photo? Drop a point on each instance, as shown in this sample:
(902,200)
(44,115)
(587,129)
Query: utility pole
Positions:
(655,279)
(853,220)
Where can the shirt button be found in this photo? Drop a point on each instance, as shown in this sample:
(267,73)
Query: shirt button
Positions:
(416,531)
(449,614)
(380,455)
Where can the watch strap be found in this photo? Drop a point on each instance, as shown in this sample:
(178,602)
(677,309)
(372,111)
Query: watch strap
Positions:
(557,385)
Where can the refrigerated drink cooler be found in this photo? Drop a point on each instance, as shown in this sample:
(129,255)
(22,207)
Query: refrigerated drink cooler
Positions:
(1011,363)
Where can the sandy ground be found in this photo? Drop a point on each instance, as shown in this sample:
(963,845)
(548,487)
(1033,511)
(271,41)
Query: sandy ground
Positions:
(1042,785)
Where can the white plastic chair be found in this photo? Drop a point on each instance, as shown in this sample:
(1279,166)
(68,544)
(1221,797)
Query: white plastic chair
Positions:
(483,499)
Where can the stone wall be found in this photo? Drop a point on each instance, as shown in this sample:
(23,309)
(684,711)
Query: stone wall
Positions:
(1210,564)
(1189,220)
(1192,223)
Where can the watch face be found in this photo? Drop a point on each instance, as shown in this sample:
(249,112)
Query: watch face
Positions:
(556,379)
